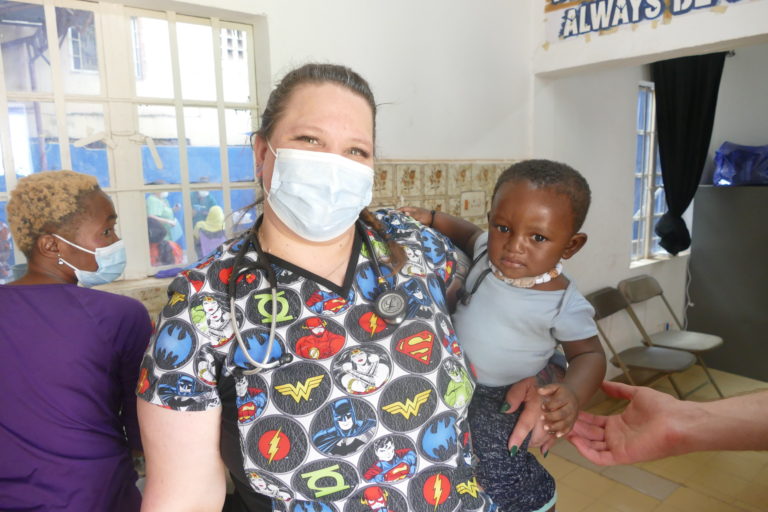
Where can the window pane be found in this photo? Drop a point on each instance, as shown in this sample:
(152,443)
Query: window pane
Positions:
(159,123)
(243,212)
(240,155)
(152,57)
(165,225)
(203,152)
(6,248)
(235,65)
(639,193)
(33,137)
(25,47)
(196,61)
(2,171)
(659,201)
(207,221)
(642,98)
(640,154)
(85,120)
(79,56)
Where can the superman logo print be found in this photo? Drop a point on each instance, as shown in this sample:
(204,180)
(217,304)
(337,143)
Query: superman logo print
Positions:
(415,348)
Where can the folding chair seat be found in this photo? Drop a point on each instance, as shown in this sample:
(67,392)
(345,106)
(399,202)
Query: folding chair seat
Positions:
(643,288)
(661,362)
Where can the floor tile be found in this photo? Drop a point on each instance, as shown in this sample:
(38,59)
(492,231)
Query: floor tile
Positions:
(641,480)
(590,483)
(567,451)
(572,500)
(557,466)
(755,494)
(740,464)
(627,499)
(689,500)
(712,481)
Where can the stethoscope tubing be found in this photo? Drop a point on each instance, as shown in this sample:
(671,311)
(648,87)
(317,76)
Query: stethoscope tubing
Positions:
(264,264)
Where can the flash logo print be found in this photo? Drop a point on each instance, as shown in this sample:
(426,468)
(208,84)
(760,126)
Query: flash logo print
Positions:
(301,390)
(410,407)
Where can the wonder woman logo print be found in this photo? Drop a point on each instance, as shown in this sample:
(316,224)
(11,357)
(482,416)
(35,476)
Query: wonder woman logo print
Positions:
(367,414)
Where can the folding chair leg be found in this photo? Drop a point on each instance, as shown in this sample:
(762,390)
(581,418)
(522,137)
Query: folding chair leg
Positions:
(677,389)
(709,376)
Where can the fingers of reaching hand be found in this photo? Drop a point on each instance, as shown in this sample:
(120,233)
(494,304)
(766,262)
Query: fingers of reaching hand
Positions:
(590,427)
(619,390)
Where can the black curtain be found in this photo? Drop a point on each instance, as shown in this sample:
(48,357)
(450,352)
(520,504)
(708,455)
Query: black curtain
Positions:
(686,99)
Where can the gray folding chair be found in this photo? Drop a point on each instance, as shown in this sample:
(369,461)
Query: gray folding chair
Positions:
(661,362)
(644,288)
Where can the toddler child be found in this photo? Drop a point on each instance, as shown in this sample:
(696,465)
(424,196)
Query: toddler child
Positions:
(517,306)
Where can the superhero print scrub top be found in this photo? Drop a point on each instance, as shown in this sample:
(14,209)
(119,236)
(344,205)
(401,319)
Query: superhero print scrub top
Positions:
(367,416)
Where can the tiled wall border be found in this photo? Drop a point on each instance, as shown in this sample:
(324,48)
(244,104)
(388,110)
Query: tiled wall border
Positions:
(461,188)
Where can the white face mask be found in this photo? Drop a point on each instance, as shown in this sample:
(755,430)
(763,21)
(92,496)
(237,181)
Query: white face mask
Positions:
(318,195)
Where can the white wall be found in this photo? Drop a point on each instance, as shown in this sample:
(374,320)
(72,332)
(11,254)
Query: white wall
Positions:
(452,82)
(742,105)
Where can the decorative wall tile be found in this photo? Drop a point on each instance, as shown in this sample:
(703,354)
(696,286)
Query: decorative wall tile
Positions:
(473,203)
(409,180)
(435,179)
(384,180)
(436,203)
(484,176)
(454,206)
(459,178)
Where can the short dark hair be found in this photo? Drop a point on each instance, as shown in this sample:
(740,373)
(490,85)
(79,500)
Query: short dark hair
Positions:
(558,176)
(312,73)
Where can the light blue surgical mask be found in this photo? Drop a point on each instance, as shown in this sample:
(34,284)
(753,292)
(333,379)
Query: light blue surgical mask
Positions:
(111,260)
(318,195)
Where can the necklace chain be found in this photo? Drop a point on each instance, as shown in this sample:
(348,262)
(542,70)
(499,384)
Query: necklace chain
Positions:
(527,282)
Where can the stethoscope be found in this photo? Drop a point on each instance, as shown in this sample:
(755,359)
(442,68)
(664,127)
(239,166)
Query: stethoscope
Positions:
(466,297)
(390,304)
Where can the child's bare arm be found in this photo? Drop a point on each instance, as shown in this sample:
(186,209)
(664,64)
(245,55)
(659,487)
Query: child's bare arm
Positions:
(586,370)
(461,232)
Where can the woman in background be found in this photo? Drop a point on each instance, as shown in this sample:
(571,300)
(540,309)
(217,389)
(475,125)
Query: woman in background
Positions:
(71,355)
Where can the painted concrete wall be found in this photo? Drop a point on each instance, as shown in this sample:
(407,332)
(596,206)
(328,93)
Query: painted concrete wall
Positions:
(584,113)
(588,121)
(452,82)
(484,83)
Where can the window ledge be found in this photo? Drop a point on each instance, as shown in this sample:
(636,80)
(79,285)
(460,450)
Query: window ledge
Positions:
(657,259)
(151,292)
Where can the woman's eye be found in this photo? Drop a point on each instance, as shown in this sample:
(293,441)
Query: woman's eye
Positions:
(308,139)
(359,152)
(539,238)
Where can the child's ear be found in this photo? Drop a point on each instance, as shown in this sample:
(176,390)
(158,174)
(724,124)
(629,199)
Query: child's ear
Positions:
(577,242)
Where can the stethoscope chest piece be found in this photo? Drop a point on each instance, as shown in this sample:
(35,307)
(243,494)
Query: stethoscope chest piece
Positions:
(391,306)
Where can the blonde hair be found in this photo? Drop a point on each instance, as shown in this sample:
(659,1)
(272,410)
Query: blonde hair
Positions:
(46,201)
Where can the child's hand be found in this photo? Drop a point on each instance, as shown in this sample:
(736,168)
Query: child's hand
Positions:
(560,407)
(420,214)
